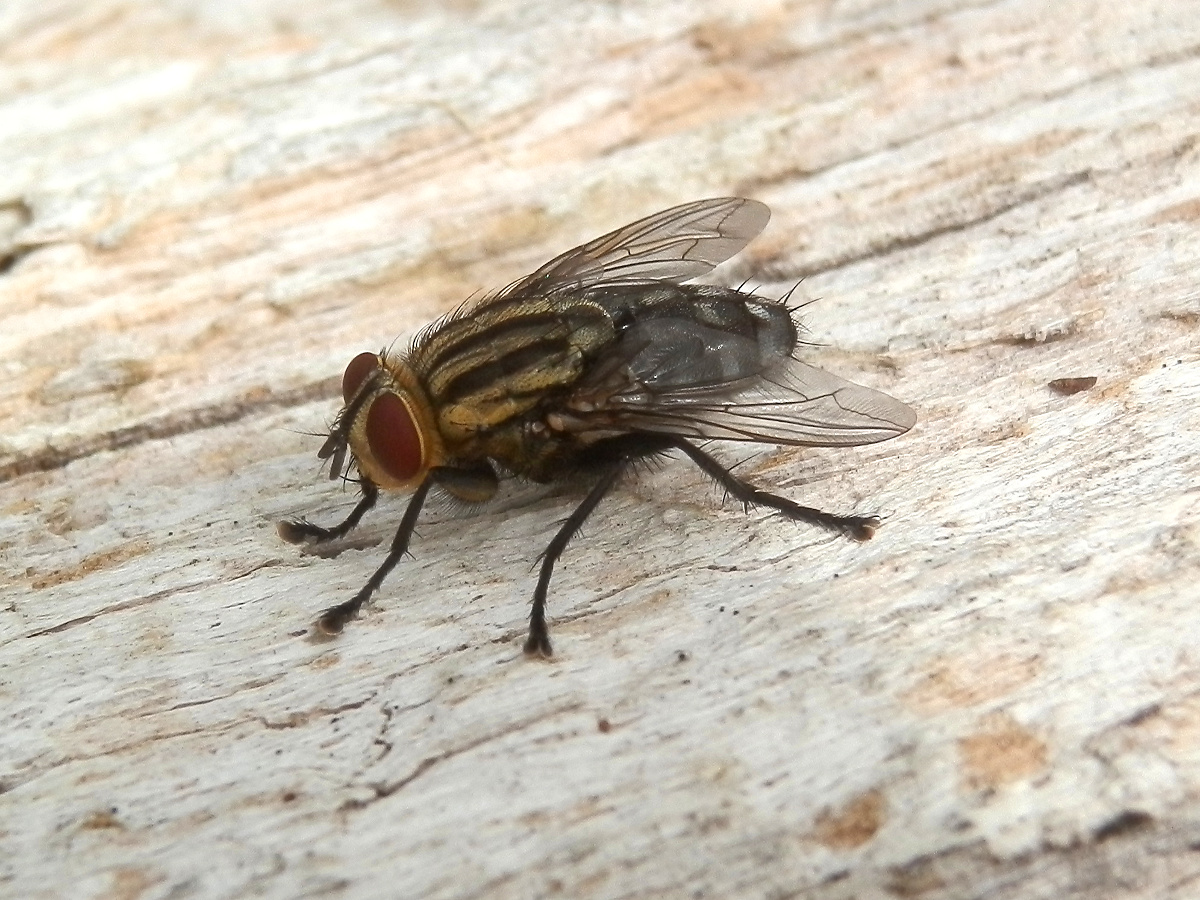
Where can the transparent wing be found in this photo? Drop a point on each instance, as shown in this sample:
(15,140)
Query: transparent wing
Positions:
(790,402)
(715,363)
(677,244)
(797,404)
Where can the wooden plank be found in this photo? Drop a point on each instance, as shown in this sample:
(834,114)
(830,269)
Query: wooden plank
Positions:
(207,209)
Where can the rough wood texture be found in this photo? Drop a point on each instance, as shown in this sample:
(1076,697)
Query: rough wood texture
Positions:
(207,207)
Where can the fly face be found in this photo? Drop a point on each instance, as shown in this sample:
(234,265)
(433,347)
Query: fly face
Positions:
(387,424)
(602,357)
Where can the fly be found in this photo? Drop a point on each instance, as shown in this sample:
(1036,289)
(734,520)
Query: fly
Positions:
(605,356)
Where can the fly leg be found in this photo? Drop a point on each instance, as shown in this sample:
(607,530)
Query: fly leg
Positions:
(538,642)
(861,528)
(296,531)
(334,619)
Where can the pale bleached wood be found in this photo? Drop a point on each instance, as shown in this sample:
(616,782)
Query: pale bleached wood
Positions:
(207,208)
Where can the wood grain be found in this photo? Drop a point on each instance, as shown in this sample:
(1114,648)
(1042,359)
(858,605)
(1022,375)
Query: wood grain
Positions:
(206,209)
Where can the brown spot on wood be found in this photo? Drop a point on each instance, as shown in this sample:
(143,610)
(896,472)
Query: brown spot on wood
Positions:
(1183,316)
(1001,752)
(325,660)
(1186,212)
(129,883)
(1068,386)
(1042,334)
(1131,821)
(652,604)
(915,879)
(755,42)
(501,235)
(151,641)
(90,564)
(1172,730)
(854,824)
(1007,432)
(693,100)
(968,680)
(20,507)
(99,821)
(109,376)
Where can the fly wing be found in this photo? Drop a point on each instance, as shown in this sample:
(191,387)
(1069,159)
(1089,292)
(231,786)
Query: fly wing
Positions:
(795,404)
(720,365)
(677,244)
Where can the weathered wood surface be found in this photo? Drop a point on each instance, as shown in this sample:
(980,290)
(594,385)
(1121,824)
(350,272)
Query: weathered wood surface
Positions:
(206,208)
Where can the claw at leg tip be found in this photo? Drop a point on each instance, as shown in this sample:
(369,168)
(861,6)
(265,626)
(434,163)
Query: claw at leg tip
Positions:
(289,531)
(538,647)
(865,530)
(329,626)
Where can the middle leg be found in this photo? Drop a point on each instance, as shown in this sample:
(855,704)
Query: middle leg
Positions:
(538,642)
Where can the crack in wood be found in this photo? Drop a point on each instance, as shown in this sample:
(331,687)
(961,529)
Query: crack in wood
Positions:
(114,608)
(383,789)
(900,243)
(162,427)
(10,259)
(33,773)
(297,719)
(15,215)
(1129,821)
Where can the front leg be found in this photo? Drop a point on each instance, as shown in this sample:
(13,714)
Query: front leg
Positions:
(334,619)
(296,531)
(472,484)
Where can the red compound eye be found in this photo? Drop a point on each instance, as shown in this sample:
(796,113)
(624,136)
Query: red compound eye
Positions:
(360,369)
(393,437)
